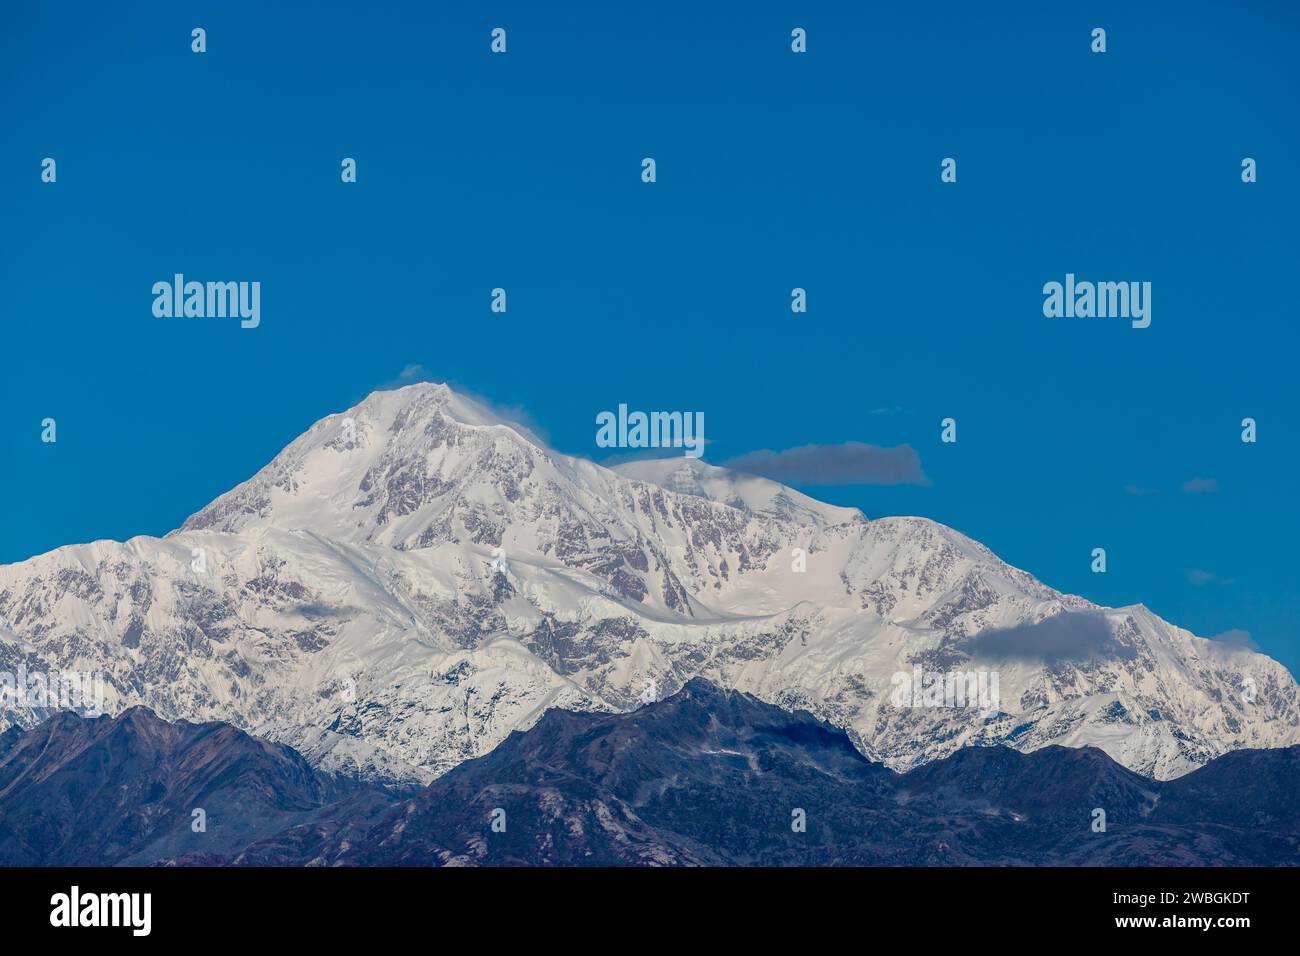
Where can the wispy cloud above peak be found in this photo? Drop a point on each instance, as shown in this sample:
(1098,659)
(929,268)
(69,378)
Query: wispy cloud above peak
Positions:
(1236,637)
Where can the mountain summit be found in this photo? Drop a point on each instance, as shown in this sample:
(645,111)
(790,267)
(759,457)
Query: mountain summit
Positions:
(414,578)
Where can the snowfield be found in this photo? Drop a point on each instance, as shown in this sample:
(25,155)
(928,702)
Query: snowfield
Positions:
(413,579)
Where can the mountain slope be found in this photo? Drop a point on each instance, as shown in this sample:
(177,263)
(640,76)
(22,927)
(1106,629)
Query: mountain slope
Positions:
(413,579)
(710,777)
(706,777)
(124,790)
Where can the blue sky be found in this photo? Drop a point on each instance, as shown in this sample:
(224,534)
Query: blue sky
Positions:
(775,170)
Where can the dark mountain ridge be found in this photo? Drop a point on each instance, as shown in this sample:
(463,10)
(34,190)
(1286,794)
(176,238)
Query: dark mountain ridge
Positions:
(125,790)
(705,777)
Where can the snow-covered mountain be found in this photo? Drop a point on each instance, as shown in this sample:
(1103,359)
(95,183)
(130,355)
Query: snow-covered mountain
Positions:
(411,580)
